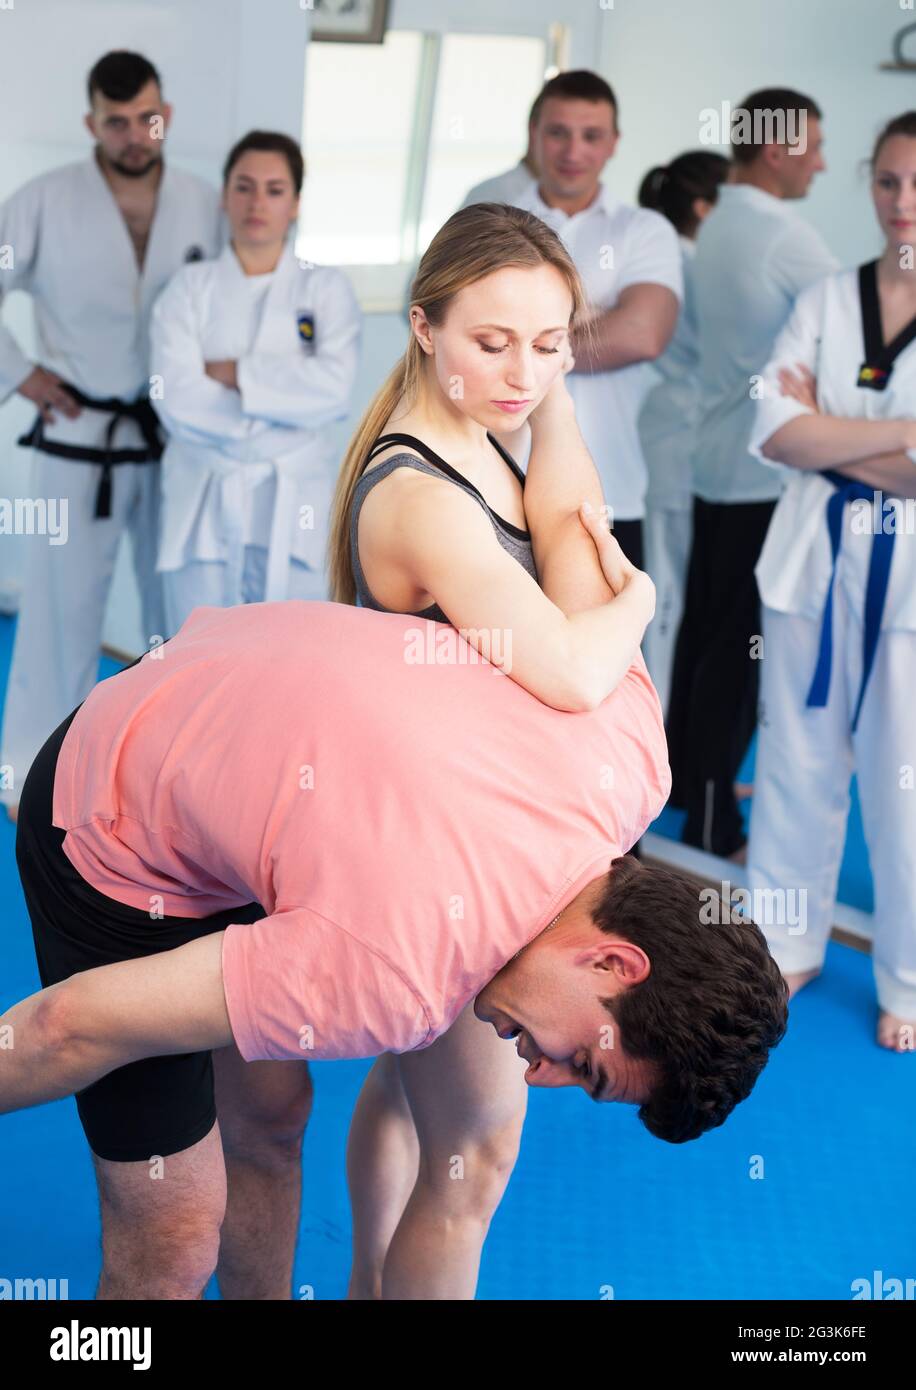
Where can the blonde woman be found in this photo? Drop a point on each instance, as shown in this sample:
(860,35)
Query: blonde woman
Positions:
(433,517)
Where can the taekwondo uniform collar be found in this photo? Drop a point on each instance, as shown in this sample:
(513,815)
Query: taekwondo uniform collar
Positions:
(286,266)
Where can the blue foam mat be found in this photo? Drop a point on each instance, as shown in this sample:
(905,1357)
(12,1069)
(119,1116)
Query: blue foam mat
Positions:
(595,1205)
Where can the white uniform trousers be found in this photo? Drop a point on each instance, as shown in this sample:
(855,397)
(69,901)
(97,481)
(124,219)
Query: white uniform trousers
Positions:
(667,534)
(805,760)
(202,584)
(65,593)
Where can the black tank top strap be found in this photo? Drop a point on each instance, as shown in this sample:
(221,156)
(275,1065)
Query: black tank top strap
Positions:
(384,441)
(504,454)
(429,454)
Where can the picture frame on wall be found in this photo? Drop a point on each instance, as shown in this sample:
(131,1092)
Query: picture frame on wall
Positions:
(348,21)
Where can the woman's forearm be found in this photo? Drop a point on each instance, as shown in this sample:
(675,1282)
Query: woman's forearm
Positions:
(604,631)
(561,475)
(892,473)
(828,441)
(605,640)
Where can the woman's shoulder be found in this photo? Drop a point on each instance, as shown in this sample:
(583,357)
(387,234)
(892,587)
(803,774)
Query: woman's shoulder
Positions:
(839,288)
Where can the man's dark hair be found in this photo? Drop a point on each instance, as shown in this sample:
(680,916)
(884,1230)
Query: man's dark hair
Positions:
(712,1006)
(268,140)
(774,99)
(578,83)
(120,75)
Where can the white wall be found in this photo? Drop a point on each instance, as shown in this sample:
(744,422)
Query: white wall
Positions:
(670,59)
(231,64)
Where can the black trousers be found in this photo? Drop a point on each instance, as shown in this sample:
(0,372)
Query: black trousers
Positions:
(628,535)
(713,705)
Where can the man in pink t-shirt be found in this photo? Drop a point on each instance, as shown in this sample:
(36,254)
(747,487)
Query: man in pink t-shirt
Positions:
(307,831)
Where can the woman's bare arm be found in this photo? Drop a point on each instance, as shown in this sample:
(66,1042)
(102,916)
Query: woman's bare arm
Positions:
(892,473)
(444,542)
(561,475)
(829,441)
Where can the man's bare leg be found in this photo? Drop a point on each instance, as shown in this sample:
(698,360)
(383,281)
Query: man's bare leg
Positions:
(161,1222)
(383,1155)
(263,1110)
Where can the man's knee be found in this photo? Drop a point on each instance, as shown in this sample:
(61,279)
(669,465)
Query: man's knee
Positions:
(157,1257)
(269,1121)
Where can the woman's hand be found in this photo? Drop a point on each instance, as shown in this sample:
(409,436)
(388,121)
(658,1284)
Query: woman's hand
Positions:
(224,372)
(801,385)
(618,571)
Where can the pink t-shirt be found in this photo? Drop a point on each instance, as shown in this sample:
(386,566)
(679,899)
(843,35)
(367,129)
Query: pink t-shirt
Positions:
(407,815)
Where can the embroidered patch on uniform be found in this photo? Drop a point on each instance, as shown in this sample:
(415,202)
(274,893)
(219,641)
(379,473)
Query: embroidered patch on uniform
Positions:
(306,325)
(194,253)
(875,378)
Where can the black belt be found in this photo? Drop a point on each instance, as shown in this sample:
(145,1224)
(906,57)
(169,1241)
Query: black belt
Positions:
(140,411)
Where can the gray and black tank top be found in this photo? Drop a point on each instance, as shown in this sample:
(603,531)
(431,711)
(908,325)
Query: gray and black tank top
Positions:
(511,538)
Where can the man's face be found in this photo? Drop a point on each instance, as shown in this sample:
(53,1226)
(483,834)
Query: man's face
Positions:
(572,142)
(797,163)
(131,133)
(548,999)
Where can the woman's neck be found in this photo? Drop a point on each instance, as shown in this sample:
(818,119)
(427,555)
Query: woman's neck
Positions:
(259,259)
(439,424)
(894,275)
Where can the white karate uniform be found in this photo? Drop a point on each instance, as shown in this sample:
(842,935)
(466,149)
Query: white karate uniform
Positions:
(252,467)
(667,433)
(614,246)
(806,756)
(73,254)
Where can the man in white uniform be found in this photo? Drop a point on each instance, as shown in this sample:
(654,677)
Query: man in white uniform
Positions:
(92,243)
(630,264)
(754,255)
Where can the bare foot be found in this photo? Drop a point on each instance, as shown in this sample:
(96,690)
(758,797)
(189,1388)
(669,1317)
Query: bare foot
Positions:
(743,790)
(13,812)
(797,979)
(896,1034)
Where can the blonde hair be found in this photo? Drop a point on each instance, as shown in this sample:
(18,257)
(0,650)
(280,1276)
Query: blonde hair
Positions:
(475,242)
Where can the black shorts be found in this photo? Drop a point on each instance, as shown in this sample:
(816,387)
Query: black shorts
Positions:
(159,1105)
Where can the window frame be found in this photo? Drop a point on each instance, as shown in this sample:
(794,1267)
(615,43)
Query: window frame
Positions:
(382,288)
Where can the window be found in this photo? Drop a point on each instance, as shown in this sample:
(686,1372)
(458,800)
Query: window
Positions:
(484,93)
(360,105)
(396,133)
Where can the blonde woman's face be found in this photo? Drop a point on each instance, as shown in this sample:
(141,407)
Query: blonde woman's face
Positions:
(502,344)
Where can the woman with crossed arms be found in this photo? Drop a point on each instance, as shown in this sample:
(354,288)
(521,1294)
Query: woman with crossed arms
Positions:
(837,577)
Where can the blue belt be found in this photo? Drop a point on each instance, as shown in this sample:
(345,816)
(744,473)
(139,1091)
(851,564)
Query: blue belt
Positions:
(879,569)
